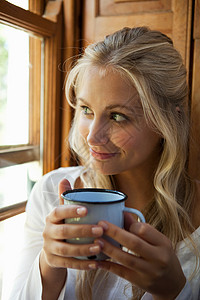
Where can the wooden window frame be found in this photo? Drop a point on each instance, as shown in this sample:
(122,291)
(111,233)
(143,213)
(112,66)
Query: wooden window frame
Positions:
(49,27)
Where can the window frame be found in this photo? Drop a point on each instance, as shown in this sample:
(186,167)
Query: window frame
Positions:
(45,144)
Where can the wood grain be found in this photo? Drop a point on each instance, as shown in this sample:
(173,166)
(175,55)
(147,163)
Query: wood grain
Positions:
(196,34)
(110,7)
(18,155)
(52,92)
(194,160)
(12,210)
(71,50)
(26,20)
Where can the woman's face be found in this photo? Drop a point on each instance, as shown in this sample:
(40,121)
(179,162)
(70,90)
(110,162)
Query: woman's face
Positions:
(112,123)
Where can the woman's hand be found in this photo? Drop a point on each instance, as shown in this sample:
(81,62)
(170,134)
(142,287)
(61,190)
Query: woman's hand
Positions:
(59,253)
(154,267)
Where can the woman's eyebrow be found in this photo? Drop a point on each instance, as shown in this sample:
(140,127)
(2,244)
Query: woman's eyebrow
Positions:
(84,101)
(113,106)
(128,108)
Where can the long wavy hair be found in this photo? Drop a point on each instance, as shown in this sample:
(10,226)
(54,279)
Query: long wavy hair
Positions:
(148,59)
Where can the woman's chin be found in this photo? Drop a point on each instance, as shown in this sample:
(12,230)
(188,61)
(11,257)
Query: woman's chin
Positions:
(103,168)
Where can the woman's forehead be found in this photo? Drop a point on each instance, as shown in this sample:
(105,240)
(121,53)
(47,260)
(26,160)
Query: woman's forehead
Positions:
(107,82)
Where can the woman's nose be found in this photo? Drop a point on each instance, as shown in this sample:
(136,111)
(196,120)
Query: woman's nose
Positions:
(98,133)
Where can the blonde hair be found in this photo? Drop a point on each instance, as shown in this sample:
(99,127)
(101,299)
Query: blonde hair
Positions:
(149,61)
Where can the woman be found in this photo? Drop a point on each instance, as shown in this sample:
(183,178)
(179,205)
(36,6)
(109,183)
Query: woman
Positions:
(130,133)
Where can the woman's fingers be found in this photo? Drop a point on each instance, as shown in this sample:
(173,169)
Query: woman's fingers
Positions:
(128,220)
(152,265)
(70,263)
(64,185)
(119,270)
(128,240)
(60,254)
(148,233)
(143,231)
(66,211)
(67,231)
(72,250)
(130,261)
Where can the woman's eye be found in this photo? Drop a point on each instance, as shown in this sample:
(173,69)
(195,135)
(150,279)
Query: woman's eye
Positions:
(118,117)
(86,110)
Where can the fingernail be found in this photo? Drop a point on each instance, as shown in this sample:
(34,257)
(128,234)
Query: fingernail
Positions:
(99,242)
(104,225)
(97,230)
(81,210)
(94,249)
(92,266)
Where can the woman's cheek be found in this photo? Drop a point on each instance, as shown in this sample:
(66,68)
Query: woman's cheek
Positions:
(83,127)
(122,138)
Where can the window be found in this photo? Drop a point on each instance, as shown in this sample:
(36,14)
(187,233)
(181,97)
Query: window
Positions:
(30,91)
(21,3)
(20,155)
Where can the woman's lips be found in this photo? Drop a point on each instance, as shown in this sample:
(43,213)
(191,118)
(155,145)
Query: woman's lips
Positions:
(101,156)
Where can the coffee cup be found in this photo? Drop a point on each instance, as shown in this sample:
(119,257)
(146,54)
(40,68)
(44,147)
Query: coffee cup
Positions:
(101,204)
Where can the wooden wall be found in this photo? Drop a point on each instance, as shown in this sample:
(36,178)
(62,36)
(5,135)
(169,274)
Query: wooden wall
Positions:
(195,94)
(172,17)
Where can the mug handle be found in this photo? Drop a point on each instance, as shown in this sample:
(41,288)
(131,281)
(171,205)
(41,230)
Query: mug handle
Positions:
(136,212)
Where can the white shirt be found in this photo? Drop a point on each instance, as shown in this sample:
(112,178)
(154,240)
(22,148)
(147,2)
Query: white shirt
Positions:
(27,284)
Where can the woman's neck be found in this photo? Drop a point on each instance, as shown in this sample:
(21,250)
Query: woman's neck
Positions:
(140,190)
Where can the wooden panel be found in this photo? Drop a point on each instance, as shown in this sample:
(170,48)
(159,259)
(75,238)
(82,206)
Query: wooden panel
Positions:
(110,7)
(194,162)
(173,17)
(181,30)
(195,113)
(196,20)
(118,1)
(105,25)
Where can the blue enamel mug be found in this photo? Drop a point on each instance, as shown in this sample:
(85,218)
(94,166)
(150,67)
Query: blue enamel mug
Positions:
(101,204)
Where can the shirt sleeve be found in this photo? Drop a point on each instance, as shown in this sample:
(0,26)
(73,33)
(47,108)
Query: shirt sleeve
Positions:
(186,293)
(27,282)
(32,287)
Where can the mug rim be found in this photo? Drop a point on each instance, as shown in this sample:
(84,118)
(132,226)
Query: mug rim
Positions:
(82,190)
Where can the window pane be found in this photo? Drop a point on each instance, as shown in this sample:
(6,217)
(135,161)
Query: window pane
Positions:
(11,241)
(20,3)
(19,179)
(14,89)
